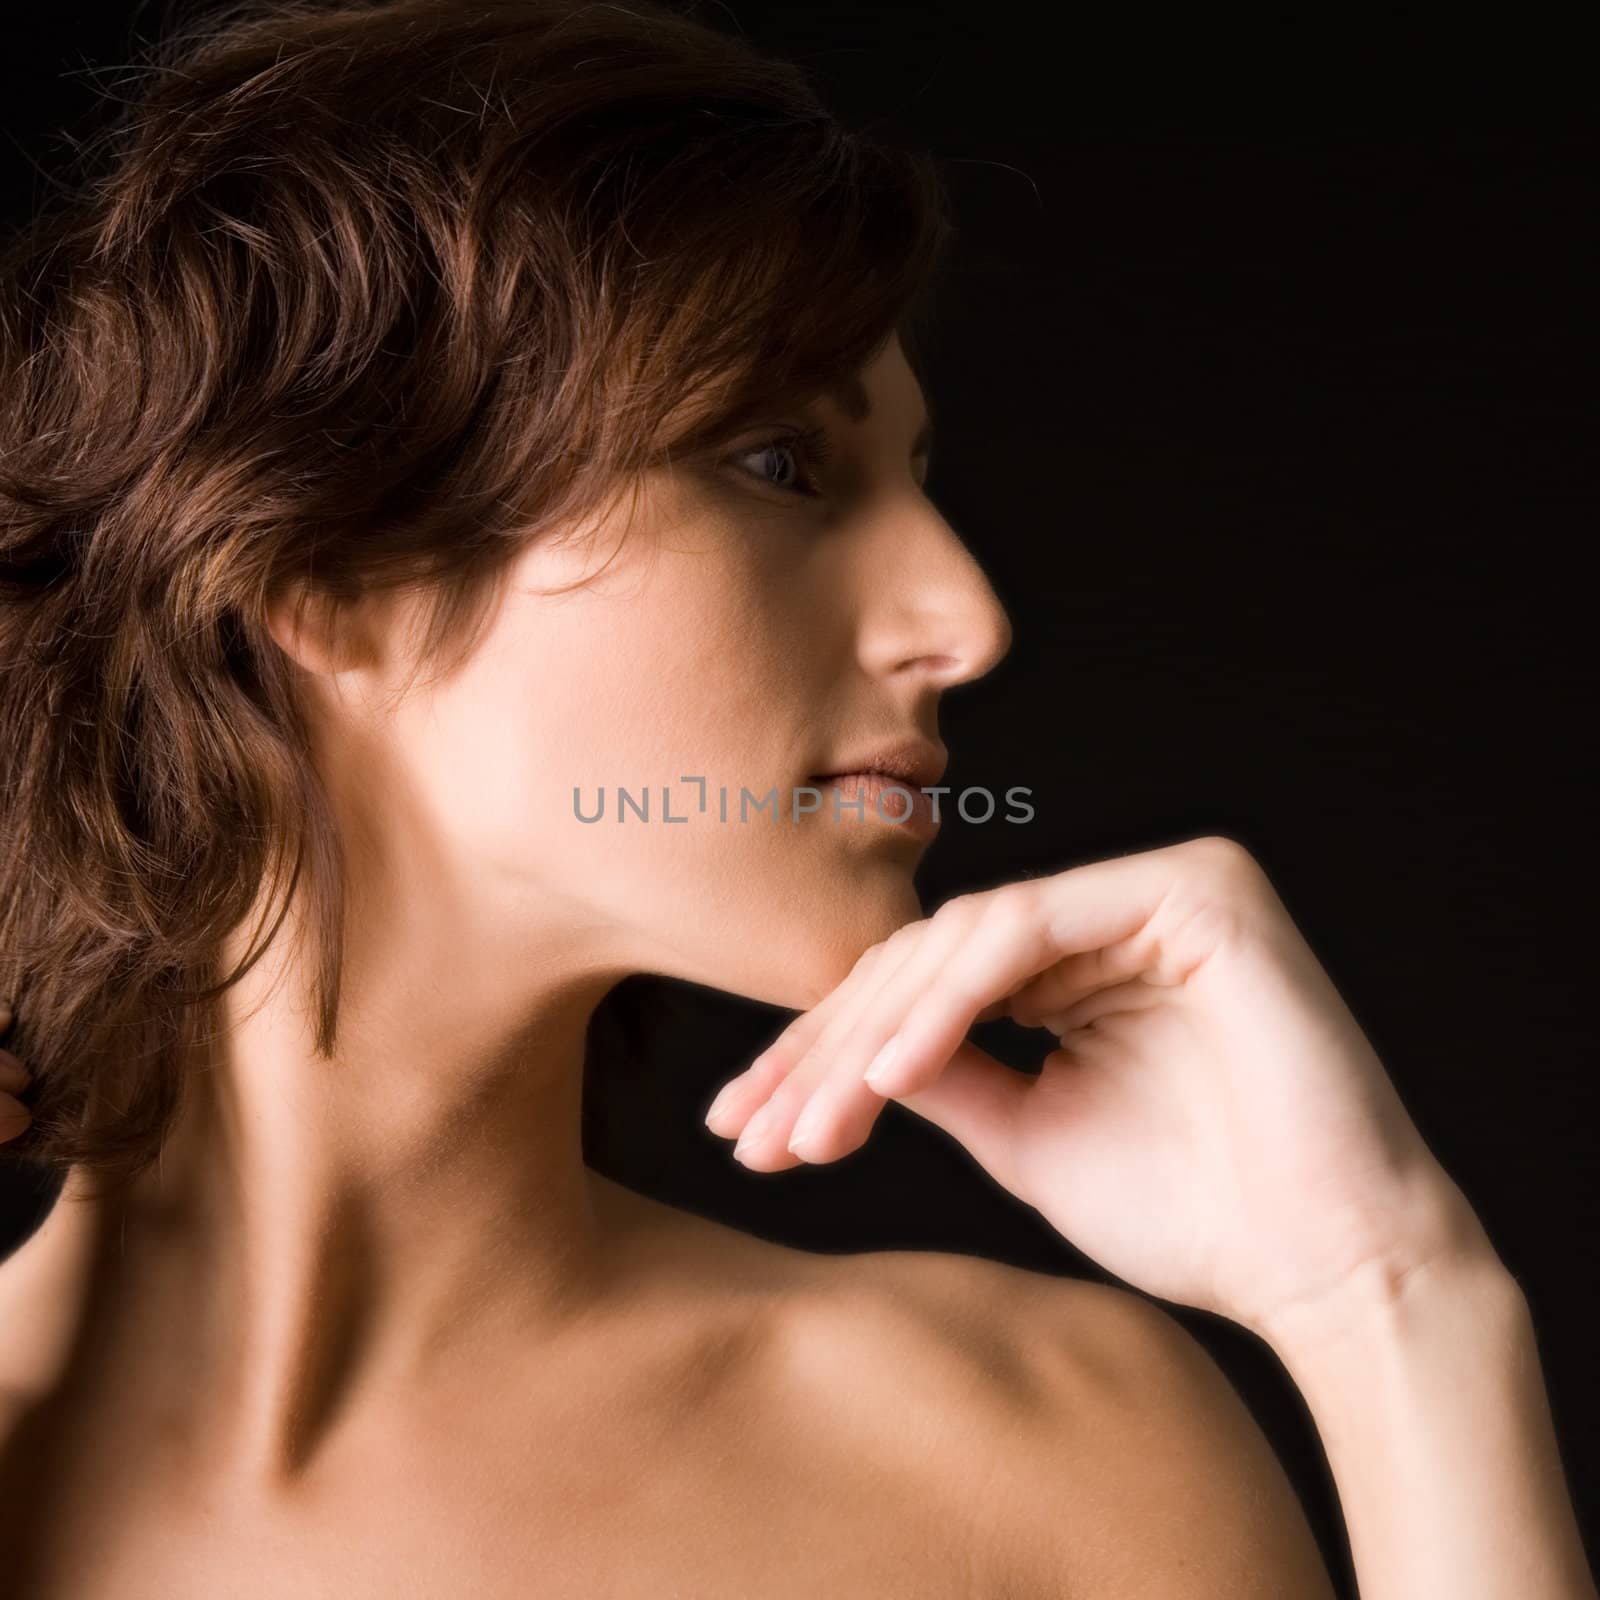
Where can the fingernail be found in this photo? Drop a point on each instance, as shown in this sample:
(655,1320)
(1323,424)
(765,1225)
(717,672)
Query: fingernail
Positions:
(754,1130)
(720,1104)
(883,1063)
(806,1129)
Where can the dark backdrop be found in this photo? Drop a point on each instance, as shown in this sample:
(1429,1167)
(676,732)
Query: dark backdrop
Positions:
(1263,389)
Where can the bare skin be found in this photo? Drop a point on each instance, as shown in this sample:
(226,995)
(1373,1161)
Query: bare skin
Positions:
(725,1416)
(371,1327)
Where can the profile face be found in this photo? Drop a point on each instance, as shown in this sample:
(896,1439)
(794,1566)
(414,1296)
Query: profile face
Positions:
(765,618)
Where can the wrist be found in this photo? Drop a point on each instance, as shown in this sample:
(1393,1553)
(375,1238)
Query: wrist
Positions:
(1422,1376)
(1449,1263)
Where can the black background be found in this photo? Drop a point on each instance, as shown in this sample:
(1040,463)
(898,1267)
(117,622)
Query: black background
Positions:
(1264,395)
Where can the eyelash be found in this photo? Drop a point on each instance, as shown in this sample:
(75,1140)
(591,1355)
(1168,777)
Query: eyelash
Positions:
(812,444)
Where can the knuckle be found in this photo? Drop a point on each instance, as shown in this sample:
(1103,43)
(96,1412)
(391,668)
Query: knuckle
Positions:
(1219,899)
(1012,910)
(892,943)
(960,911)
(1224,859)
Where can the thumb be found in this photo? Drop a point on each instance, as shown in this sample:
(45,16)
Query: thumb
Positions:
(978,1101)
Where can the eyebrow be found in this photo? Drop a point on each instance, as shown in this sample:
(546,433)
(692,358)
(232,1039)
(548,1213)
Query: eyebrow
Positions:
(851,397)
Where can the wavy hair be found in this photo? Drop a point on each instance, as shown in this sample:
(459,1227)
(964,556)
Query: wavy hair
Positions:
(355,295)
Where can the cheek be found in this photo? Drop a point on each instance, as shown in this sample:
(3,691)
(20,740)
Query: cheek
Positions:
(643,689)
(637,685)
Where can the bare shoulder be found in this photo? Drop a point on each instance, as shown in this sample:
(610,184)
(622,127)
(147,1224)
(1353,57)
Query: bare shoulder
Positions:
(1053,1435)
(1102,1444)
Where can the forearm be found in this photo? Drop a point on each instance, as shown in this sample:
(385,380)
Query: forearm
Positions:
(1432,1409)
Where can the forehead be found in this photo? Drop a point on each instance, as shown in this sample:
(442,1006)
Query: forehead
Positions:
(885,388)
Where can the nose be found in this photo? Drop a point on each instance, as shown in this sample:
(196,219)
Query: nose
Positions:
(931,609)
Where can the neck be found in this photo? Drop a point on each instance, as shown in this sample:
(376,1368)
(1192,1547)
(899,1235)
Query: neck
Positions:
(373,1222)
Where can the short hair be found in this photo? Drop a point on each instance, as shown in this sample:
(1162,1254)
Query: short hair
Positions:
(356,296)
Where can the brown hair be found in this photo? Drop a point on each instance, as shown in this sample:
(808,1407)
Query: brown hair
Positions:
(353,296)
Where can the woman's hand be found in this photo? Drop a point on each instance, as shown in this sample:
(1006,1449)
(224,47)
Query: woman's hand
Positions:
(14,1116)
(1214,1127)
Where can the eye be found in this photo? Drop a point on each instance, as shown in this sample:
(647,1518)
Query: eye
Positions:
(811,446)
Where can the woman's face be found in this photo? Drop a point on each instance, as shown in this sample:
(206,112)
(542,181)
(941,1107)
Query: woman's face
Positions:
(765,619)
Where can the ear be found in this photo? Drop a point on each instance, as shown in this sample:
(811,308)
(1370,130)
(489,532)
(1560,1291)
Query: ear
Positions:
(323,634)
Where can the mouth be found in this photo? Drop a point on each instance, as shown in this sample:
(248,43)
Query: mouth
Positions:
(916,763)
(870,795)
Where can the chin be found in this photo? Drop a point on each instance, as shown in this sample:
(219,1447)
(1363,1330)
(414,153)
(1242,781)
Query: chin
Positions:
(813,957)
(782,929)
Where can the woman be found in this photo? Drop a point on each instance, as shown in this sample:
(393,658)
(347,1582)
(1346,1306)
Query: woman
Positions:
(435,417)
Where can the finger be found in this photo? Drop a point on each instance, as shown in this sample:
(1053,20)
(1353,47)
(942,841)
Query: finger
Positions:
(840,1105)
(1098,905)
(1036,924)
(1007,942)
(983,1105)
(1136,994)
(1073,978)
(733,1104)
(1117,903)
(14,1116)
(763,1143)
(851,1038)
(14,1077)
(744,1094)
(1039,922)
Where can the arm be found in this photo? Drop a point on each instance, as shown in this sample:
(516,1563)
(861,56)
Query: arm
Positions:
(1426,1390)
(1216,1129)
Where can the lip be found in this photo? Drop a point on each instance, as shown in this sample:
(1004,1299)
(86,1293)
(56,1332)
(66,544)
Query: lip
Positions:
(912,764)
(917,762)
(863,792)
